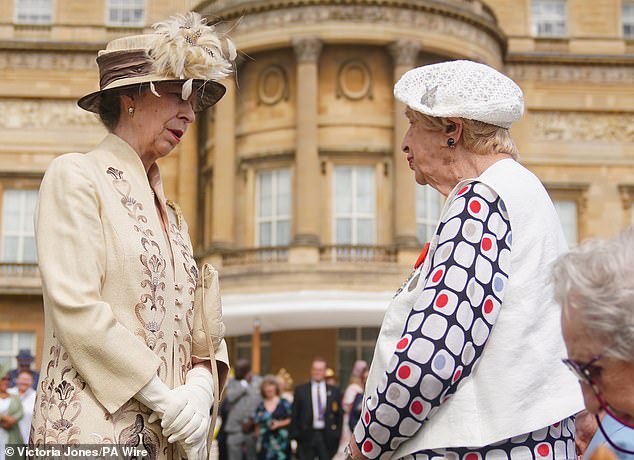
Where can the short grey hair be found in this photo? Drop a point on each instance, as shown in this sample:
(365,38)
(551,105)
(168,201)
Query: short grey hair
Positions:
(597,280)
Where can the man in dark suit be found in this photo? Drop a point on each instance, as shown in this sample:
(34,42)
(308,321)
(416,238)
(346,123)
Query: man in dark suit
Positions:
(317,416)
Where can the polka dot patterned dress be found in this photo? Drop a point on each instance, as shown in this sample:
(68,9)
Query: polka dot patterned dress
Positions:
(445,334)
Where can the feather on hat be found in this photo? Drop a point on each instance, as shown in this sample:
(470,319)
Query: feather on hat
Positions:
(183,49)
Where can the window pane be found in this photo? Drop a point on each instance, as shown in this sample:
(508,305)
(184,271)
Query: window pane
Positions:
(283,233)
(6,342)
(347,333)
(367,352)
(365,231)
(26,340)
(265,208)
(343,190)
(567,212)
(274,207)
(549,17)
(283,193)
(265,235)
(365,190)
(369,333)
(10,249)
(343,231)
(29,252)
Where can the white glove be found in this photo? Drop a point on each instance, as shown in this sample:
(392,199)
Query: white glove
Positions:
(192,435)
(168,405)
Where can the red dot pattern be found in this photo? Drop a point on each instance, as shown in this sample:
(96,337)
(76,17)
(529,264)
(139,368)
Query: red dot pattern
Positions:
(442,300)
(417,408)
(486,244)
(404,372)
(446,287)
(543,450)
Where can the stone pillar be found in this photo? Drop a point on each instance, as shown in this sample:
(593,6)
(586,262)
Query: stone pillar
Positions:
(404,53)
(224,171)
(256,348)
(187,180)
(305,243)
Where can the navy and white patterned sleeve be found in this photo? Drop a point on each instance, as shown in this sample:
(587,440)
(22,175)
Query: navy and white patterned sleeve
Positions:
(449,324)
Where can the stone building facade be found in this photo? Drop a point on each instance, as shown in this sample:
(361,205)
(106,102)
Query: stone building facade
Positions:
(294,184)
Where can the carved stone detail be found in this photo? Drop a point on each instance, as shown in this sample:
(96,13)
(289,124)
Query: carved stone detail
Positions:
(272,85)
(386,16)
(611,128)
(21,59)
(354,80)
(405,52)
(21,113)
(307,49)
(626,192)
(603,74)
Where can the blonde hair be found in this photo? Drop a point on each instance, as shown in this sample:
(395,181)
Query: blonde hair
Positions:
(477,136)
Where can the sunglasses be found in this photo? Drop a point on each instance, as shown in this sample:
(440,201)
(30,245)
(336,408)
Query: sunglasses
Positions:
(587,373)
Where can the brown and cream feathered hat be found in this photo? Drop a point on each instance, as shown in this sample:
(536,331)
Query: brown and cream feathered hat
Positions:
(183,49)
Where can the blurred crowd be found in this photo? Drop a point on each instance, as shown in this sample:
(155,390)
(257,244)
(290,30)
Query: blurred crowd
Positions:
(263,419)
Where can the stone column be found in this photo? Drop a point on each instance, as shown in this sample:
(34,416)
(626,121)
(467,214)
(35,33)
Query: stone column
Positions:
(305,243)
(256,348)
(404,53)
(224,171)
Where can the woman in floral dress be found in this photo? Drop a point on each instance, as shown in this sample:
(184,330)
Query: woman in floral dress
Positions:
(272,418)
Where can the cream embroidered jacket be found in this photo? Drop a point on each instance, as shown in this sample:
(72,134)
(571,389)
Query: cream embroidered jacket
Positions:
(118,298)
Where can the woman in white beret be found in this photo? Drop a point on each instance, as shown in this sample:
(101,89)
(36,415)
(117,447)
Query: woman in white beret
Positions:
(121,362)
(594,283)
(468,361)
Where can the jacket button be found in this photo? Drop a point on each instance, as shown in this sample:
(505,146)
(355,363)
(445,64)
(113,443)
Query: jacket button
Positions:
(177,317)
(176,333)
(178,286)
(178,301)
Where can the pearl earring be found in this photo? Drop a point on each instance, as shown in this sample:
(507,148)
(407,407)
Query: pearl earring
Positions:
(131,111)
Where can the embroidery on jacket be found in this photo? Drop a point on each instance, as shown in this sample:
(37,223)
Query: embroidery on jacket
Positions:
(150,310)
(60,403)
(134,434)
(191,270)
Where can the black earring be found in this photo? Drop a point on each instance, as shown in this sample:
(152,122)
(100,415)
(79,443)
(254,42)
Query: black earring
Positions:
(451,142)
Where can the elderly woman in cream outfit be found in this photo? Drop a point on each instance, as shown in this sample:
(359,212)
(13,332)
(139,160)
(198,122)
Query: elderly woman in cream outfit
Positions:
(467,364)
(123,362)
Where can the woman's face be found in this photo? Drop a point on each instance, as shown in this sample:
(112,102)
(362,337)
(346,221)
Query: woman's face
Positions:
(159,123)
(427,154)
(4,382)
(269,390)
(614,378)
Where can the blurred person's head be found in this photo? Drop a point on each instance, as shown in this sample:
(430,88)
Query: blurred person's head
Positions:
(24,358)
(318,369)
(5,379)
(242,369)
(358,368)
(284,380)
(331,377)
(270,387)
(24,381)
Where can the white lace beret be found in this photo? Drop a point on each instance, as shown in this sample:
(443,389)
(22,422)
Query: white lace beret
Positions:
(462,89)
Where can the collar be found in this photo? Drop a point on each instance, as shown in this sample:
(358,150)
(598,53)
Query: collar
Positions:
(129,161)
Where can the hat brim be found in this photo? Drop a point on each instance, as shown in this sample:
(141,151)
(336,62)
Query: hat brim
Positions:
(208,92)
